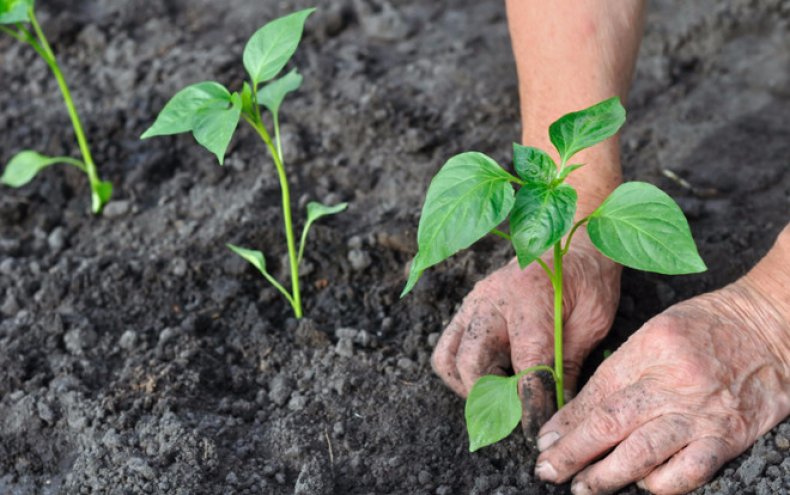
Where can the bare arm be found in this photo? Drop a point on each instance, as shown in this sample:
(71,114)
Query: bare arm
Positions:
(571,55)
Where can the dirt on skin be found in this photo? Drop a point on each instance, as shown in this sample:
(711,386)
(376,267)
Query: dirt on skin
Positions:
(138,356)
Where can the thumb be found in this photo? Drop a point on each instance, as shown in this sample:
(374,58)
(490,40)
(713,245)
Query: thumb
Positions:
(536,389)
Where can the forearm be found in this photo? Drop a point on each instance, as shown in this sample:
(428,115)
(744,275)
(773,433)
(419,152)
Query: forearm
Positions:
(571,55)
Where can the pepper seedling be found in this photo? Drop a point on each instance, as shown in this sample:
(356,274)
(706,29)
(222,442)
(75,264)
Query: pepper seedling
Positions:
(637,225)
(212,113)
(23,167)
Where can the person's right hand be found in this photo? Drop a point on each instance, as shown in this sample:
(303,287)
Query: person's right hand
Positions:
(507,321)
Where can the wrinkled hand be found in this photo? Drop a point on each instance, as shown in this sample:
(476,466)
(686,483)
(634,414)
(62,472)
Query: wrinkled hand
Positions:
(693,388)
(507,321)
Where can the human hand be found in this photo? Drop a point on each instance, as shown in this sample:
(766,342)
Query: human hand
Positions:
(693,388)
(506,322)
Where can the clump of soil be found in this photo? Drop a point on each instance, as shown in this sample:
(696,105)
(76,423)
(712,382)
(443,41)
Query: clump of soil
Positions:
(138,356)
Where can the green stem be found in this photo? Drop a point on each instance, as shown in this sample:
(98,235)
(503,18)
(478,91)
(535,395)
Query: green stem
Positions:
(573,231)
(10,32)
(276,122)
(558,357)
(501,234)
(49,58)
(296,301)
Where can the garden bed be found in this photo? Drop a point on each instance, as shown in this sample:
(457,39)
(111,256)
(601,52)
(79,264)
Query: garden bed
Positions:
(137,355)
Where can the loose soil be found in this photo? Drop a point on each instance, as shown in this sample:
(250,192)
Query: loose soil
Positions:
(138,356)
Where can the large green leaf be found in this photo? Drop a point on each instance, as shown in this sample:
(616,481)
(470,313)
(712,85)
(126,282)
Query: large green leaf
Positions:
(271,96)
(315,211)
(214,127)
(541,216)
(493,410)
(640,226)
(14,11)
(469,196)
(270,48)
(578,130)
(24,166)
(180,114)
(533,165)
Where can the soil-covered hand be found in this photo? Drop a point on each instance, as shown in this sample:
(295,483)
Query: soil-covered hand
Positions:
(693,388)
(507,322)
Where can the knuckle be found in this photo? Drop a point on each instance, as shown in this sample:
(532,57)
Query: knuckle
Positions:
(603,424)
(639,453)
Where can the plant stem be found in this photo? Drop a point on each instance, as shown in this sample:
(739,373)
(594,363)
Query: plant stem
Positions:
(293,259)
(573,231)
(501,234)
(49,57)
(558,354)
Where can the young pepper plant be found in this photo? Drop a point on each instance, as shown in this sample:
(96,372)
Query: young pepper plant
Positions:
(638,226)
(212,113)
(23,167)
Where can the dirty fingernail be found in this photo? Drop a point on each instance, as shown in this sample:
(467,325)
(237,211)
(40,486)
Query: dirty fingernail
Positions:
(569,394)
(580,488)
(641,484)
(547,440)
(545,471)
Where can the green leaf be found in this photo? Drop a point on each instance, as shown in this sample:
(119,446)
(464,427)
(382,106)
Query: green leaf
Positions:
(469,196)
(247,106)
(640,226)
(14,11)
(270,48)
(24,166)
(314,212)
(533,165)
(214,126)
(253,257)
(181,112)
(578,130)
(100,195)
(271,96)
(564,173)
(541,216)
(414,276)
(493,410)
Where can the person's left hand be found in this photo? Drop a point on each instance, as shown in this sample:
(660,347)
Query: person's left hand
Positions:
(693,388)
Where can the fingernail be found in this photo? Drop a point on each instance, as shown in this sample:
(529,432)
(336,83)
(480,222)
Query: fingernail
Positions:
(547,440)
(545,471)
(569,395)
(641,484)
(580,488)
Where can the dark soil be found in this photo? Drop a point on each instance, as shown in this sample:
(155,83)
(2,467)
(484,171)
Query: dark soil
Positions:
(138,356)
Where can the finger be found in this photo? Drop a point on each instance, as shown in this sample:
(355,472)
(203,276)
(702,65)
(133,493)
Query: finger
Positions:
(690,468)
(484,347)
(604,427)
(603,383)
(636,456)
(443,358)
(531,344)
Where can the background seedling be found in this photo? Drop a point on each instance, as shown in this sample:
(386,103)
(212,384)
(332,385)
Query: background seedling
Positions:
(212,113)
(23,167)
(638,226)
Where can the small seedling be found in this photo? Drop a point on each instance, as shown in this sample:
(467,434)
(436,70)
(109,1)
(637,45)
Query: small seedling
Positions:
(212,113)
(638,226)
(23,167)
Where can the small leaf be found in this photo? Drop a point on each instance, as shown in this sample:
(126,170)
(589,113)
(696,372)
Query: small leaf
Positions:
(640,226)
(533,165)
(314,212)
(247,107)
(24,166)
(181,112)
(493,410)
(270,48)
(271,96)
(253,257)
(14,11)
(578,130)
(541,216)
(469,196)
(564,173)
(100,195)
(214,127)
